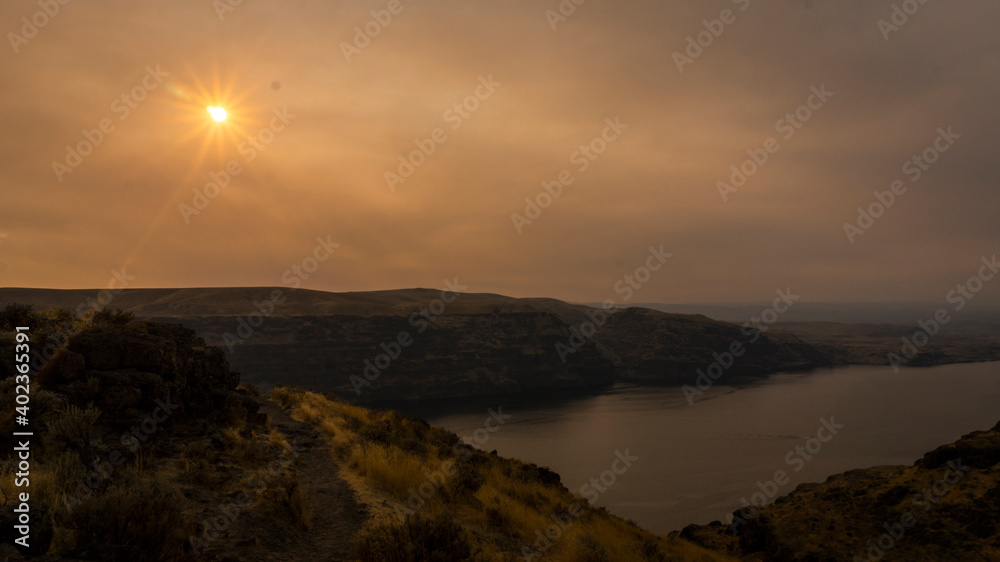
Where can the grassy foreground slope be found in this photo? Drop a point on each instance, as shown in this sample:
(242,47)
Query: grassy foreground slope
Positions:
(433,498)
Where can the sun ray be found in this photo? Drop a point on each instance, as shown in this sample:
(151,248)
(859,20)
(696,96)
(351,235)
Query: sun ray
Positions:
(191,98)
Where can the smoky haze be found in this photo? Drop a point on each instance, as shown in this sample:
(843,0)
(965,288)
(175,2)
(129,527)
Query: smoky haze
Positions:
(347,115)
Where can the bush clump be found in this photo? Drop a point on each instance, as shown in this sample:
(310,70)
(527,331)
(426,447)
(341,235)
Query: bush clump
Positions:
(141,521)
(418,539)
(467,480)
(70,429)
(14,315)
(106,317)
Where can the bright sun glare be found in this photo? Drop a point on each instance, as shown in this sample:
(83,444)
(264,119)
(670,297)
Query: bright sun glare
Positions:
(217,113)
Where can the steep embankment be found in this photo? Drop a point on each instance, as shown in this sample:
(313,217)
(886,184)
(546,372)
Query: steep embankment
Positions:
(944,507)
(653,347)
(435,498)
(144,448)
(422,343)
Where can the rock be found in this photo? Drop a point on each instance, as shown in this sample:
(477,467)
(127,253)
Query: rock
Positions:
(65,366)
(980,449)
(141,373)
(10,553)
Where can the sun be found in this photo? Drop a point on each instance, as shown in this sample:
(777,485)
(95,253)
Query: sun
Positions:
(217,113)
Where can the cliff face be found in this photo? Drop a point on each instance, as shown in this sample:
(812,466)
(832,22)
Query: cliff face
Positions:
(501,349)
(944,507)
(460,355)
(654,347)
(419,343)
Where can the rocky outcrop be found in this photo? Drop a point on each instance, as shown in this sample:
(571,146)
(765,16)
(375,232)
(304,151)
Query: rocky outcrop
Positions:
(113,389)
(131,370)
(458,355)
(142,372)
(944,507)
(657,348)
(421,344)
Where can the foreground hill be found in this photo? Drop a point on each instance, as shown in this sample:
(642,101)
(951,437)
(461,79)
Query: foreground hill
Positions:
(422,343)
(944,507)
(146,448)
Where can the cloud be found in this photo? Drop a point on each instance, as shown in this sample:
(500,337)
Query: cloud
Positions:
(324,174)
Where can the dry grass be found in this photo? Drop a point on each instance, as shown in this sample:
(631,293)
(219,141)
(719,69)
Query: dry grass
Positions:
(389,468)
(300,505)
(499,505)
(139,512)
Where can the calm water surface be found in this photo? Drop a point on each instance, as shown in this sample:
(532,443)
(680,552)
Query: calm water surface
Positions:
(695,463)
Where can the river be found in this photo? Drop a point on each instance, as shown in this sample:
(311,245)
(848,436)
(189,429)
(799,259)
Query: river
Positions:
(695,463)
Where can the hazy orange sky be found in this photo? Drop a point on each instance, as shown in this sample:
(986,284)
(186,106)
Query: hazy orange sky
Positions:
(347,122)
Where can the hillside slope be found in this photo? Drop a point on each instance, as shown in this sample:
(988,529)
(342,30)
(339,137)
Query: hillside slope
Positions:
(944,507)
(422,343)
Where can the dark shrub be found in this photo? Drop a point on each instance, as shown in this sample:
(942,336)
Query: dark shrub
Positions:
(467,479)
(142,521)
(418,539)
(70,427)
(14,315)
(651,552)
(589,550)
(106,317)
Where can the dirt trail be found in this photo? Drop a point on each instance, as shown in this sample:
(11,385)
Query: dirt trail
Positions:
(337,515)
